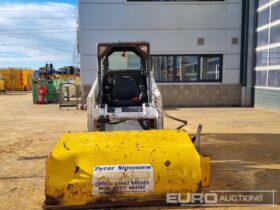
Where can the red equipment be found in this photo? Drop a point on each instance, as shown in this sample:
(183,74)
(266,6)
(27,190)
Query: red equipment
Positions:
(42,90)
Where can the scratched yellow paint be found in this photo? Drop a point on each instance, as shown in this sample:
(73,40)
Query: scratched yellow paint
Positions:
(177,166)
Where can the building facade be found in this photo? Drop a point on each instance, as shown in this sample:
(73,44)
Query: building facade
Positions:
(203,51)
(267,70)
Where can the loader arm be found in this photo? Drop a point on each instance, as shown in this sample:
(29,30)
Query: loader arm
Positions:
(91,104)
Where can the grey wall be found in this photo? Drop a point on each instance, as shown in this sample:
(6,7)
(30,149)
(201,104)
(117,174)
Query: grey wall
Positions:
(267,98)
(170,27)
(200,95)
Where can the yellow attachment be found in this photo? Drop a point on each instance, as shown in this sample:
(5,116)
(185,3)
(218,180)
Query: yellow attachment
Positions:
(81,168)
(2,84)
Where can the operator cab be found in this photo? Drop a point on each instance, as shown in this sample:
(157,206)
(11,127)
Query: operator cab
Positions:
(123,76)
(124,95)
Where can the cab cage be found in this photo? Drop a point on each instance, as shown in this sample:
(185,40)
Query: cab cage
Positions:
(129,77)
(142,49)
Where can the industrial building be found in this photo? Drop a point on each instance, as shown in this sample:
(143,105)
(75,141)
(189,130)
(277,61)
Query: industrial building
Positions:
(203,52)
(267,86)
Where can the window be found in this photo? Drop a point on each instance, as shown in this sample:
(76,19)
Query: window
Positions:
(209,68)
(261,78)
(275,34)
(262,57)
(274,56)
(274,78)
(275,11)
(269,59)
(124,60)
(263,17)
(262,38)
(187,68)
(263,2)
(163,68)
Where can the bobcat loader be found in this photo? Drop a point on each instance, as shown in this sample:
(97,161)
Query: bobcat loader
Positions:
(126,158)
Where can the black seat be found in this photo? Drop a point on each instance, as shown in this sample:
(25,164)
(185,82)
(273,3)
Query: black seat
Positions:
(124,92)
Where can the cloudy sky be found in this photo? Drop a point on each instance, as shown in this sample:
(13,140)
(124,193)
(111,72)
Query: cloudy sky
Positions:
(35,32)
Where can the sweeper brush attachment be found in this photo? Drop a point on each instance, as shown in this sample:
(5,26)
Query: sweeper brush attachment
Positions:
(122,168)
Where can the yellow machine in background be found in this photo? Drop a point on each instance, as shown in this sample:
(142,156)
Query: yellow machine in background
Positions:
(70,74)
(65,74)
(17,78)
(2,84)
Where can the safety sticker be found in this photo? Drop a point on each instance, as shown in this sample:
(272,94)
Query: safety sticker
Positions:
(117,179)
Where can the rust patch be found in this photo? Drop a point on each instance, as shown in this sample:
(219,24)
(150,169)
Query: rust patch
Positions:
(77,169)
(158,179)
(51,200)
(55,199)
(167,163)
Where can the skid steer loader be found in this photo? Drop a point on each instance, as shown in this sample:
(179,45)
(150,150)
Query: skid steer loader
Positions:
(126,158)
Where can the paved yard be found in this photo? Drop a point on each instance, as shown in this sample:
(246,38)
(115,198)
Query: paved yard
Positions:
(244,145)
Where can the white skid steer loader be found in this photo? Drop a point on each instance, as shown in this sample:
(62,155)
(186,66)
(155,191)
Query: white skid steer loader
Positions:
(126,158)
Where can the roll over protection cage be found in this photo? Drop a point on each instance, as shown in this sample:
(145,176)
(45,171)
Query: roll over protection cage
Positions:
(142,49)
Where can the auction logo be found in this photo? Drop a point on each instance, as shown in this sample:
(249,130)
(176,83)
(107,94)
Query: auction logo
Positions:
(223,198)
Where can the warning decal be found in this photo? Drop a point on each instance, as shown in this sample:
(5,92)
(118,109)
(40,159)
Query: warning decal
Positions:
(117,179)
